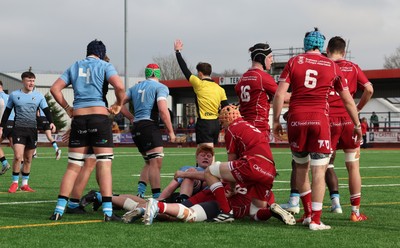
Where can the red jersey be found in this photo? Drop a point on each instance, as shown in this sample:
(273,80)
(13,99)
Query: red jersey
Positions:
(244,139)
(255,90)
(311,77)
(355,78)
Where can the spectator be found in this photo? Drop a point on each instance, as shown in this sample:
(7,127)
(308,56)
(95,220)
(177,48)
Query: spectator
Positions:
(374,120)
(364,129)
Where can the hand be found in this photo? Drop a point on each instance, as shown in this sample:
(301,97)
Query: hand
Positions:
(178,45)
(178,174)
(358,134)
(277,130)
(53,128)
(114,109)
(172,137)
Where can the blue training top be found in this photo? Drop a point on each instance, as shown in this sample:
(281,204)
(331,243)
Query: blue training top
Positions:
(144,97)
(87,79)
(25,106)
(3,102)
(185,168)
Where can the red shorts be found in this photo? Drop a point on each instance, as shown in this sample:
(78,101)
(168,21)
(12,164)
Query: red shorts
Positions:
(240,202)
(309,132)
(254,173)
(342,133)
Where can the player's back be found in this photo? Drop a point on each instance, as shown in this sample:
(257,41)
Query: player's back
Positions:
(244,139)
(255,90)
(311,76)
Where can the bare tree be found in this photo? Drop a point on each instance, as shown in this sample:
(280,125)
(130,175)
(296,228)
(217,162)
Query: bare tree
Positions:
(169,67)
(393,61)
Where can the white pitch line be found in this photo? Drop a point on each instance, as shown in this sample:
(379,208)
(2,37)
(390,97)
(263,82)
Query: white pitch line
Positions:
(26,202)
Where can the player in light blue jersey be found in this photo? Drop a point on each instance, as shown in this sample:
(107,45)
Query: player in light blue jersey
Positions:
(3,101)
(43,125)
(91,125)
(149,99)
(25,102)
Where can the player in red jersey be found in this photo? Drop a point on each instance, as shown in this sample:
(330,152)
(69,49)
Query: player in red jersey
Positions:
(256,88)
(342,128)
(250,165)
(311,76)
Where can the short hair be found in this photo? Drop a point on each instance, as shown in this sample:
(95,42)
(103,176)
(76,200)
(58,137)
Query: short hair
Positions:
(204,68)
(1,83)
(336,44)
(27,74)
(204,148)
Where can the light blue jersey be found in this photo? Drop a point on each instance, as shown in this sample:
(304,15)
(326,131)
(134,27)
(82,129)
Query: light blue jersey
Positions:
(144,97)
(87,77)
(25,106)
(185,168)
(3,102)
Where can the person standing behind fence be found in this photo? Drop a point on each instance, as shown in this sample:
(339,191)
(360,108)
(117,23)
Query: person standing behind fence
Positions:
(25,102)
(374,120)
(364,130)
(209,98)
(91,125)
(149,100)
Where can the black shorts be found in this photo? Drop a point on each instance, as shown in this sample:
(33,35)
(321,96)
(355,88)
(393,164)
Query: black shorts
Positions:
(25,136)
(207,131)
(7,131)
(91,130)
(42,123)
(146,135)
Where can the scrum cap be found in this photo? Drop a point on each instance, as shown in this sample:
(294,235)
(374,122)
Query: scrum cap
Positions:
(314,39)
(228,114)
(259,52)
(152,70)
(96,47)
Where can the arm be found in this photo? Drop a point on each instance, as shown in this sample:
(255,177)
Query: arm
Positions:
(127,114)
(167,191)
(4,119)
(190,174)
(366,96)
(351,108)
(58,96)
(278,105)
(178,46)
(166,118)
(119,91)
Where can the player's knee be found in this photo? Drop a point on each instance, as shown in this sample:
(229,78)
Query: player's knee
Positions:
(76,158)
(214,170)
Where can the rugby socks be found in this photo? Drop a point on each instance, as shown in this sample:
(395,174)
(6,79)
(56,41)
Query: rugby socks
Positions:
(219,193)
(316,212)
(355,201)
(61,203)
(4,161)
(25,178)
(73,203)
(107,205)
(294,197)
(15,177)
(156,192)
(141,189)
(98,196)
(263,214)
(335,198)
(55,146)
(306,201)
